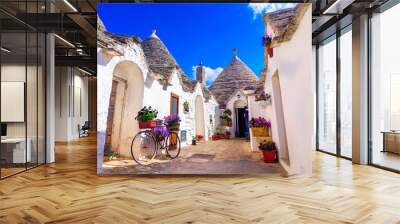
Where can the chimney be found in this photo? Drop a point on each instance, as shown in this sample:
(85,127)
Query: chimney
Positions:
(200,73)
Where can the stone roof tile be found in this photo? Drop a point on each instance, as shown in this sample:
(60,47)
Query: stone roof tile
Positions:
(285,22)
(236,75)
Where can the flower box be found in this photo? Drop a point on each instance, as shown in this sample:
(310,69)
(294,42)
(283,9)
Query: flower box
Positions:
(260,132)
(147,124)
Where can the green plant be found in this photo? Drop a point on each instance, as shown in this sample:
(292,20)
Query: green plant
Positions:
(111,154)
(267,145)
(226,119)
(227,112)
(146,114)
(186,106)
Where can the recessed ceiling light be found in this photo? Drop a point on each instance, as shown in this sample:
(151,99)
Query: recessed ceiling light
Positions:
(64,40)
(84,71)
(70,5)
(5,50)
(338,6)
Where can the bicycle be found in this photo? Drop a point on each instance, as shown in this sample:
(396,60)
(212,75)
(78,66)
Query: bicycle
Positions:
(146,145)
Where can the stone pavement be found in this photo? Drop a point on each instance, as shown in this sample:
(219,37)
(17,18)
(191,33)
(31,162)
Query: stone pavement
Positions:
(213,157)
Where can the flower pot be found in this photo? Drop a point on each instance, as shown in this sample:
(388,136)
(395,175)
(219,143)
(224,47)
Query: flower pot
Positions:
(174,127)
(194,142)
(270,51)
(226,123)
(260,132)
(215,137)
(147,124)
(269,156)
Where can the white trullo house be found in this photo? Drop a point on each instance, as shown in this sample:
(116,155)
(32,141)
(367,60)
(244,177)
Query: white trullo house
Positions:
(230,89)
(134,73)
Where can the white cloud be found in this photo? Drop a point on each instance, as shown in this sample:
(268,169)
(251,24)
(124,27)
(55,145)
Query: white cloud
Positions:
(210,73)
(260,8)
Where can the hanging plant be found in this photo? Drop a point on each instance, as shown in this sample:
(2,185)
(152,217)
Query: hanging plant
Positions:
(226,119)
(267,41)
(263,99)
(186,107)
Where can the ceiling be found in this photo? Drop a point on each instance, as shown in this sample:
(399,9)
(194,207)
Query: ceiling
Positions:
(75,23)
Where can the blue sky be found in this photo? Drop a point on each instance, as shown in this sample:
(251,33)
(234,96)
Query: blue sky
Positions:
(196,31)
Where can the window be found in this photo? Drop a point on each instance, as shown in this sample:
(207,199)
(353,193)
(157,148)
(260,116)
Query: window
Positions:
(174,104)
(385,89)
(327,96)
(22,75)
(346,93)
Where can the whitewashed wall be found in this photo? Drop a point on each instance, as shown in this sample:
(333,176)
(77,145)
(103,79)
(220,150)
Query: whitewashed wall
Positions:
(154,94)
(297,86)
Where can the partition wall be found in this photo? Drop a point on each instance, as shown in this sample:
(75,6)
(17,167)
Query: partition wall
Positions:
(23,89)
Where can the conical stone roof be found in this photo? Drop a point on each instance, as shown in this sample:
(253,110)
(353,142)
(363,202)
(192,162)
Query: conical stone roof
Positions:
(160,61)
(236,75)
(158,57)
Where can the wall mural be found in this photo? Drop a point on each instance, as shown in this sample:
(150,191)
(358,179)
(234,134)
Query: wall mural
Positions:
(180,93)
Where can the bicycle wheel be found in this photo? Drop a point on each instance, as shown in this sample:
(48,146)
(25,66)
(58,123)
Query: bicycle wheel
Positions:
(143,148)
(173,145)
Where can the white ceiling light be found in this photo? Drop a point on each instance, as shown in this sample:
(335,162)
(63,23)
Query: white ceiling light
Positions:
(337,7)
(86,72)
(64,40)
(70,5)
(5,50)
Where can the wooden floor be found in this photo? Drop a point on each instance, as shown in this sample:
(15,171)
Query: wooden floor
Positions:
(70,191)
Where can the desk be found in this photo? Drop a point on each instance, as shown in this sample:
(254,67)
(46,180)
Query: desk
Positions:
(391,141)
(15,148)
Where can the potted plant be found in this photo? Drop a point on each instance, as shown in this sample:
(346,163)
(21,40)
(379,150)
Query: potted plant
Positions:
(263,99)
(172,122)
(146,117)
(267,41)
(227,135)
(260,127)
(186,107)
(111,155)
(268,149)
(199,137)
(160,133)
(226,119)
(193,140)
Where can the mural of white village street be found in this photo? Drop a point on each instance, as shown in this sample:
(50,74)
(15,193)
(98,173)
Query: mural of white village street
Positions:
(154,119)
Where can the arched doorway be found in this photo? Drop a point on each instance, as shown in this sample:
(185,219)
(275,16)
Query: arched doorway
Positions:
(199,116)
(126,99)
(241,119)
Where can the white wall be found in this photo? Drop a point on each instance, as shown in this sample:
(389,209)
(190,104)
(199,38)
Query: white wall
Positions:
(70,83)
(33,127)
(154,94)
(297,85)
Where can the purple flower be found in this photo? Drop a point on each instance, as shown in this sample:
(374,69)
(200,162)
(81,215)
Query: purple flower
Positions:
(259,122)
(172,119)
(161,132)
(266,39)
